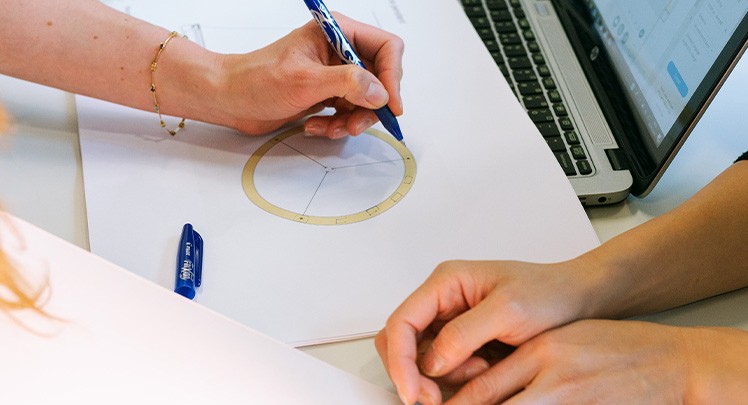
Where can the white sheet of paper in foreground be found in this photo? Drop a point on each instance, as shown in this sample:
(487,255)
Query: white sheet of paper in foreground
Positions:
(125,340)
(486,184)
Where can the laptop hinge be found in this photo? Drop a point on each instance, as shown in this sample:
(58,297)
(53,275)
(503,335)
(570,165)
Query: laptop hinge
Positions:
(617,158)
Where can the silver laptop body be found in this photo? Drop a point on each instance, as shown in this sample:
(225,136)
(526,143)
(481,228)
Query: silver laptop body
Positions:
(624,82)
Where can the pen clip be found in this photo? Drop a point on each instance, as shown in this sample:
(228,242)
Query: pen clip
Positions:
(198,260)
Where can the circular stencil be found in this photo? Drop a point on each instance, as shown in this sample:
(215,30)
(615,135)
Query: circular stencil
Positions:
(329,182)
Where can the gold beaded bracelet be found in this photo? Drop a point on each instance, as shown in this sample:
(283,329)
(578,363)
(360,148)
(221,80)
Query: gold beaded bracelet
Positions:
(156,106)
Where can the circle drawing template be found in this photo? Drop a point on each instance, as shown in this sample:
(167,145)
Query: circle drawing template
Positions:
(329,182)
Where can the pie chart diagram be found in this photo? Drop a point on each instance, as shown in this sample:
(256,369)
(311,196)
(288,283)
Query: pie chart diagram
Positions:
(321,181)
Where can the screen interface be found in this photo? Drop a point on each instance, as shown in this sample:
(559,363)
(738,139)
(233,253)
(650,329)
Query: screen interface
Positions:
(663,49)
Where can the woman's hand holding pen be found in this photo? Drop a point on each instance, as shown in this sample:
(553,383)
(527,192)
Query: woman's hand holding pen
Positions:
(300,74)
(112,58)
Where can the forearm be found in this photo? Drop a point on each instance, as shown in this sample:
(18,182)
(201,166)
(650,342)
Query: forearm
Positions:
(101,53)
(698,250)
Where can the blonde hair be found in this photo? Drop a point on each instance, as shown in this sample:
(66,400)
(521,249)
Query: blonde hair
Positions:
(3,120)
(16,292)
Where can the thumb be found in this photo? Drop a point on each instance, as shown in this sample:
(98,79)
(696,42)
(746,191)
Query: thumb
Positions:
(460,338)
(355,84)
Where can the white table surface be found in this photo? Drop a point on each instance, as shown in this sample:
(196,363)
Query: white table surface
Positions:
(41,181)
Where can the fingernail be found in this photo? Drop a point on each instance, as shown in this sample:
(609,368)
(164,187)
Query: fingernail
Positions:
(434,366)
(376,94)
(426,398)
(474,370)
(363,126)
(339,132)
(314,129)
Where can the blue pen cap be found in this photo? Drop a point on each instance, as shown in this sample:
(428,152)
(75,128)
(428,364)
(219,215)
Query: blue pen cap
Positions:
(189,262)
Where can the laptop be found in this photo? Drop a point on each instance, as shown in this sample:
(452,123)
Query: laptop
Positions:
(613,86)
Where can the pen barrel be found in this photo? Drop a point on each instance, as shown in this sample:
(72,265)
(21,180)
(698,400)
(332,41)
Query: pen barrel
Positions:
(333,33)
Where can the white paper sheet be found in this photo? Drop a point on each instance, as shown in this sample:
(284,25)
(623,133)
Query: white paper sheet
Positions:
(126,341)
(487,186)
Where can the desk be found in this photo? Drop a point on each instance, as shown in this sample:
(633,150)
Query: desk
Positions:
(42,182)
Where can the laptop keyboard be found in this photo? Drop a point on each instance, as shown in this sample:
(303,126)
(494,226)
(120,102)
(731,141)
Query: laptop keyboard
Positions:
(507,34)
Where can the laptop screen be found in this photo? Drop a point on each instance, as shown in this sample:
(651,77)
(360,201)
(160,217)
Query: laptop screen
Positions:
(667,59)
(663,49)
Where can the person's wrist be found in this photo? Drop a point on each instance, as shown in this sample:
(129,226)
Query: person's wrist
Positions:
(217,102)
(598,287)
(695,387)
(715,363)
(190,79)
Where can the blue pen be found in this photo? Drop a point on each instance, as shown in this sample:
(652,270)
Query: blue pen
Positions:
(347,55)
(189,262)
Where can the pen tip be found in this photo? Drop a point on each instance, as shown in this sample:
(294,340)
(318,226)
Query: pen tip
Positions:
(403,143)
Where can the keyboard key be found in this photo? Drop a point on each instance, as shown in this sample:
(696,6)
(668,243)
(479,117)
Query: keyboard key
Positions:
(480,22)
(554,96)
(548,129)
(468,3)
(572,138)
(565,124)
(535,102)
(556,144)
(541,115)
(523,24)
(475,11)
(515,4)
(498,58)
(539,60)
(515,50)
(549,83)
(528,35)
(544,71)
(492,45)
(519,62)
(510,38)
(485,33)
(525,75)
(501,15)
(505,26)
(496,5)
(584,167)
(533,47)
(527,88)
(566,163)
(560,110)
(577,152)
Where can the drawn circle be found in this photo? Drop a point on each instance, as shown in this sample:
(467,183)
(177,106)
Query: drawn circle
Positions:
(329,182)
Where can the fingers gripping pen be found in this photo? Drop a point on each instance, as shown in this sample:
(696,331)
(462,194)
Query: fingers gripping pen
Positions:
(348,55)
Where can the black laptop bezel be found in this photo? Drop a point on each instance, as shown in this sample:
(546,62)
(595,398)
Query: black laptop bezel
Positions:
(645,162)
